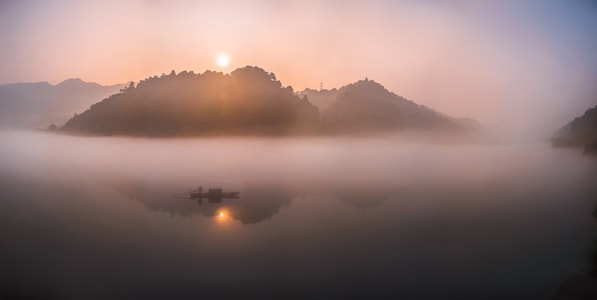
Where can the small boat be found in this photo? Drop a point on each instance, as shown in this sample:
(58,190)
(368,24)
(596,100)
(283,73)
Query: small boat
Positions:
(213,193)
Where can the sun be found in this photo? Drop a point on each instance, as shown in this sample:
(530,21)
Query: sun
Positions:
(222,60)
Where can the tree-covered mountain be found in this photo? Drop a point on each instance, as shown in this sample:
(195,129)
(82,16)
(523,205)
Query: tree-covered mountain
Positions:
(37,105)
(249,101)
(366,106)
(580,132)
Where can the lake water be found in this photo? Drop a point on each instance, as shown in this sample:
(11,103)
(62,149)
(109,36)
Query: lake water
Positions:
(317,218)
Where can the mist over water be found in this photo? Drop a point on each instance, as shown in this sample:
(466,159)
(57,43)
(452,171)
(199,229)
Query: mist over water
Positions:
(101,218)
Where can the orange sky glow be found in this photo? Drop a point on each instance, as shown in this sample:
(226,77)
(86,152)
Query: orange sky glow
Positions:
(480,59)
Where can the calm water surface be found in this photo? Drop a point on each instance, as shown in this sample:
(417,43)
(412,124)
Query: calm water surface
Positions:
(109,218)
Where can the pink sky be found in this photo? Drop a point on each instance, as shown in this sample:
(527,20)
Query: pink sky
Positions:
(466,58)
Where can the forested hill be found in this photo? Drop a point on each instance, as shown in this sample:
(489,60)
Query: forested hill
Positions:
(580,132)
(247,101)
(366,106)
(251,101)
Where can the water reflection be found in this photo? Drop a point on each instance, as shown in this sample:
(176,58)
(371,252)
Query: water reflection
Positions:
(212,195)
(256,202)
(330,219)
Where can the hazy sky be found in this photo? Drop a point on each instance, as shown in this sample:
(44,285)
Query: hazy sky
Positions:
(490,60)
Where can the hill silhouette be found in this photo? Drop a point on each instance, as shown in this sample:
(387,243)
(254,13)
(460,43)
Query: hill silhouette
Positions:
(366,106)
(580,132)
(249,101)
(39,104)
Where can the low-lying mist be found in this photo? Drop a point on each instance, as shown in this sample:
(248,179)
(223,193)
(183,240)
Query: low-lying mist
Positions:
(306,161)
(110,216)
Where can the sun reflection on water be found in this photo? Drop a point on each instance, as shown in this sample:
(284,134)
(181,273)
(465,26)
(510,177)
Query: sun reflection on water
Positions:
(223,215)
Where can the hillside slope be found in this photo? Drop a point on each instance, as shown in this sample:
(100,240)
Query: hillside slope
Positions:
(580,132)
(366,106)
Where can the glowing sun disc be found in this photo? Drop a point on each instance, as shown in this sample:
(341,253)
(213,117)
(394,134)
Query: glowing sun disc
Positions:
(222,60)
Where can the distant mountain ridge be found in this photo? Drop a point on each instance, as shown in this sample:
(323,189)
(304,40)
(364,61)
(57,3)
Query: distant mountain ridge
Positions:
(580,132)
(39,104)
(251,101)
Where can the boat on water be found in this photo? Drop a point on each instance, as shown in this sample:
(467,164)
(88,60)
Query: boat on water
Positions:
(213,193)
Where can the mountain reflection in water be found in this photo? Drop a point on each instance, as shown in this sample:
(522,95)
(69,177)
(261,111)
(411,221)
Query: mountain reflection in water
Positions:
(257,201)
(94,218)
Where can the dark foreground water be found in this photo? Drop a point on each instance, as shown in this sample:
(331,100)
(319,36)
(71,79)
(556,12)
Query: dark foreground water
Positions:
(106,218)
